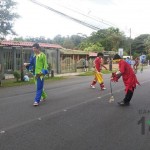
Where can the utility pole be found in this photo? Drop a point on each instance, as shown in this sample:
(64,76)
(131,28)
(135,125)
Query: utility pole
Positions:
(22,61)
(130,43)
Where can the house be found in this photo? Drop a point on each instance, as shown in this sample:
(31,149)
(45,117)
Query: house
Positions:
(14,53)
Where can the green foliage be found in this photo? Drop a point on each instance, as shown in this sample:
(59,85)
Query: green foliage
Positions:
(58,40)
(147,44)
(125,53)
(68,43)
(17,75)
(134,54)
(138,44)
(7,17)
(106,39)
(148,57)
(40,39)
(94,48)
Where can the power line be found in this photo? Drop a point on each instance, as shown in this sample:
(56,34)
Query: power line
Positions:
(96,28)
(65,15)
(91,17)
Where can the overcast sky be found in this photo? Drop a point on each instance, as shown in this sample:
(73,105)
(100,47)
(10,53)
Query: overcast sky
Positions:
(36,21)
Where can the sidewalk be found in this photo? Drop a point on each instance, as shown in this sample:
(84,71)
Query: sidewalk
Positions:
(68,74)
(11,76)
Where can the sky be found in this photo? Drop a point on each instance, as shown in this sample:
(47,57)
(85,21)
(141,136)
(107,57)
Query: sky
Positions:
(36,21)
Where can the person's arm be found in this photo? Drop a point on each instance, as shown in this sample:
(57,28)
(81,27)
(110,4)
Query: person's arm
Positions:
(44,70)
(26,64)
(30,66)
(102,64)
(94,65)
(104,67)
(116,75)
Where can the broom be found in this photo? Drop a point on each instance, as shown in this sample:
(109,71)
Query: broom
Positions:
(112,97)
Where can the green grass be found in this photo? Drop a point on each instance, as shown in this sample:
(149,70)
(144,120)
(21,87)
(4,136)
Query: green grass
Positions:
(13,82)
(90,73)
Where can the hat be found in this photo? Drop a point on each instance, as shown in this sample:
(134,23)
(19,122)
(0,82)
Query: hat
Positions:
(116,56)
(36,45)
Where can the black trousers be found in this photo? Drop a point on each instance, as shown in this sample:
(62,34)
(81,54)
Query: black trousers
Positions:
(128,96)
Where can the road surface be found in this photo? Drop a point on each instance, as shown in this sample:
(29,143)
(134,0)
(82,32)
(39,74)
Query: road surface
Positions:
(75,117)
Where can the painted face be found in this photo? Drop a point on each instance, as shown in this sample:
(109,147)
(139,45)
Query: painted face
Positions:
(116,60)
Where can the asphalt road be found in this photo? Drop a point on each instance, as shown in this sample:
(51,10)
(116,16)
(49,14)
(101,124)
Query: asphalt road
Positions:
(75,117)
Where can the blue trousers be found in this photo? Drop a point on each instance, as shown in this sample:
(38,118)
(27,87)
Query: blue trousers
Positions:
(40,93)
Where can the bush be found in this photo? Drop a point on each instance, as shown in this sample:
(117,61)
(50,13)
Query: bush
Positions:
(17,75)
(148,56)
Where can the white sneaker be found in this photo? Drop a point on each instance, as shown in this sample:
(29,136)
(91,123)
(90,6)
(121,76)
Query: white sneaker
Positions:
(42,100)
(35,104)
(92,86)
(103,88)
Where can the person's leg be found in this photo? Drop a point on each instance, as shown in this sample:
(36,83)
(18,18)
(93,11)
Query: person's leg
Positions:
(102,86)
(128,96)
(39,89)
(127,99)
(101,80)
(44,95)
(94,81)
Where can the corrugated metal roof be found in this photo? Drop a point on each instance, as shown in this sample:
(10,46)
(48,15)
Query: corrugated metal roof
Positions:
(92,54)
(70,51)
(28,44)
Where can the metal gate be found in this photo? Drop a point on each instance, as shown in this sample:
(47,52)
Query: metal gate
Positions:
(68,65)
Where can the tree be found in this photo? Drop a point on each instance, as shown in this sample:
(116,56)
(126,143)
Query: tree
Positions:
(7,17)
(138,44)
(68,43)
(115,38)
(58,39)
(106,39)
(71,42)
(97,47)
(76,39)
(147,44)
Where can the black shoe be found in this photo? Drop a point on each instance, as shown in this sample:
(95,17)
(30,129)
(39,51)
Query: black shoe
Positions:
(122,103)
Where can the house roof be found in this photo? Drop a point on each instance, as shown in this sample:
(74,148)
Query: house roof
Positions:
(28,44)
(92,54)
(70,51)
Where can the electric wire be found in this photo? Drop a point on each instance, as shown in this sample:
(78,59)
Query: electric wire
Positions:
(67,16)
(91,17)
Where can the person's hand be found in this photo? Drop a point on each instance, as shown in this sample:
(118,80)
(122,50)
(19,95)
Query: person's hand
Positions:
(114,80)
(114,77)
(38,75)
(26,64)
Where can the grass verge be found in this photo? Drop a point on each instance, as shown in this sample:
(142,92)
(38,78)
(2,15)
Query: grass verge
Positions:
(90,73)
(13,82)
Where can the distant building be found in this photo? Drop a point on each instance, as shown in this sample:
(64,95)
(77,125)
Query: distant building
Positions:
(13,54)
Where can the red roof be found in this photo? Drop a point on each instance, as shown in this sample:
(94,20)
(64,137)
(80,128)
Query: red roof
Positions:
(28,44)
(92,54)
